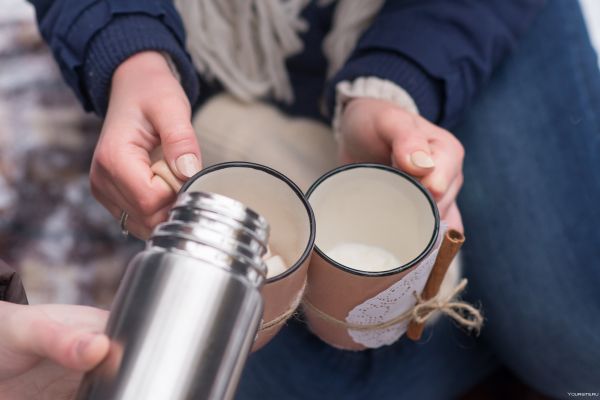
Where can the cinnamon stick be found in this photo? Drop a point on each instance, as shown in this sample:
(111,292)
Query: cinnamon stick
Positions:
(451,243)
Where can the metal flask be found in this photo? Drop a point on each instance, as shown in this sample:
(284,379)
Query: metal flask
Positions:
(188,309)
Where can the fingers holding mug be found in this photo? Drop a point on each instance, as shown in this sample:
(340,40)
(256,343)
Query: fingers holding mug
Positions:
(131,219)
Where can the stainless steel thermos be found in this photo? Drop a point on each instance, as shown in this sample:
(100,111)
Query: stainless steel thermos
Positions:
(188,309)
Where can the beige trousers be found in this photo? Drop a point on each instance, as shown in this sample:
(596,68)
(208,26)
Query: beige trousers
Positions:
(228,130)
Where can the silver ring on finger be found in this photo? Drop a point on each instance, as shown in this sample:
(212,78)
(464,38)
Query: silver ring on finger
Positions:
(123,223)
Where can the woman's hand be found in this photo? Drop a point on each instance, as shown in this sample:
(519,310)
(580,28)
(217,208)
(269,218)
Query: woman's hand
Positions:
(379,131)
(147,108)
(45,349)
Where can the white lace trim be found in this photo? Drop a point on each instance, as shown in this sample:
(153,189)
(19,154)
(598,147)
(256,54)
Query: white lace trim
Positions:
(391,303)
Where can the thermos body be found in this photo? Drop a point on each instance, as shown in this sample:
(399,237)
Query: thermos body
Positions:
(185,316)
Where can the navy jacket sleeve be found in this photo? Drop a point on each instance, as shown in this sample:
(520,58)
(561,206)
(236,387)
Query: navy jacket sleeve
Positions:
(90,38)
(440,51)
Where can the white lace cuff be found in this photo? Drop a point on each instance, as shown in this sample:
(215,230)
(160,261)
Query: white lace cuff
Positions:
(372,87)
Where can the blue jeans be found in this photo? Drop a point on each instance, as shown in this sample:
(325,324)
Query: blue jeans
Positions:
(531,208)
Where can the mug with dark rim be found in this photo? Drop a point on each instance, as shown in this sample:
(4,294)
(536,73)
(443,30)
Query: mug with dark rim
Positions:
(364,204)
(292,222)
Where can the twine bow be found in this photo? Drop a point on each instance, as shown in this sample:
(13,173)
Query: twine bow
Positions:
(463,313)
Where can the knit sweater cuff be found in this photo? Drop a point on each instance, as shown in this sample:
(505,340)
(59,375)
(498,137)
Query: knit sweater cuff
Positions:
(426,92)
(125,36)
(370,87)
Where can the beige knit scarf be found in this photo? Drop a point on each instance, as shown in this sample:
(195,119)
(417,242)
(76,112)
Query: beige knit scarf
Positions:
(244,43)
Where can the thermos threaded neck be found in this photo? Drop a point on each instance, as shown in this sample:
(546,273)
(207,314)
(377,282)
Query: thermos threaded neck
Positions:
(216,229)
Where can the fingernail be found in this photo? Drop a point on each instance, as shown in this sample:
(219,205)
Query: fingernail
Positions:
(84,344)
(187,165)
(422,159)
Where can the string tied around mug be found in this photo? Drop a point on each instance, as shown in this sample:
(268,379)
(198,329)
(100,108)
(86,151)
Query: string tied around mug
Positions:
(465,314)
(280,319)
(460,311)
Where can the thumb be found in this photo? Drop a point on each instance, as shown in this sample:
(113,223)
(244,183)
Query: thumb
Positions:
(72,348)
(408,140)
(29,330)
(178,138)
(411,153)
